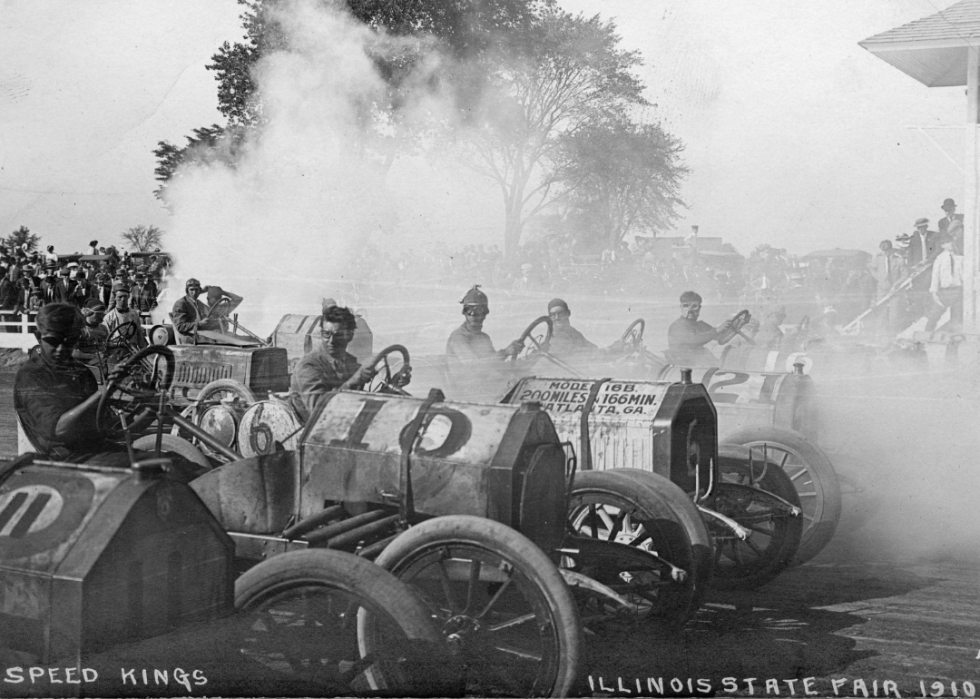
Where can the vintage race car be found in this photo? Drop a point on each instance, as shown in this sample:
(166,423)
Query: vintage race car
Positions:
(772,412)
(750,505)
(470,501)
(463,503)
(231,362)
(96,554)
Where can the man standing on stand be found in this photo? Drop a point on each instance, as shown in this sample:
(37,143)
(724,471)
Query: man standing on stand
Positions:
(946,288)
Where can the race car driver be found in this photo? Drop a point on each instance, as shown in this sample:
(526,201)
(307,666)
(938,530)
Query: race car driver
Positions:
(56,396)
(565,340)
(568,342)
(190,314)
(468,343)
(330,366)
(687,336)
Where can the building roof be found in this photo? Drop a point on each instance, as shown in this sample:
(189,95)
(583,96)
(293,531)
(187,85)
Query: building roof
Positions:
(933,50)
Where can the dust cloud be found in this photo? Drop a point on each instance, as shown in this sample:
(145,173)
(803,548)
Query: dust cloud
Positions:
(906,447)
(289,223)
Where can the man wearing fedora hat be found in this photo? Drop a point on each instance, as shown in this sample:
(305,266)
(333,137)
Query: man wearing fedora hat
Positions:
(952,223)
(888,269)
(921,249)
(922,243)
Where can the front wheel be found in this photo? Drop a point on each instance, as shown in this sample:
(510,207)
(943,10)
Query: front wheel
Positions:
(499,600)
(744,493)
(812,475)
(300,614)
(622,508)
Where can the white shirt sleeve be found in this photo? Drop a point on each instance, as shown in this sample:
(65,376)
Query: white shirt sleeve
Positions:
(936,267)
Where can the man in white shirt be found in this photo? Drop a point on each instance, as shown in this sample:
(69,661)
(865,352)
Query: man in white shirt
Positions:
(946,288)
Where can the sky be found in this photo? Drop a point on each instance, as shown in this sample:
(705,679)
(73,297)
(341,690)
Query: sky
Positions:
(795,136)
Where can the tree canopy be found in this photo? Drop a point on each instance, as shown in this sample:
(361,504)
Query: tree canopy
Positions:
(143,238)
(621,176)
(530,85)
(21,236)
(550,82)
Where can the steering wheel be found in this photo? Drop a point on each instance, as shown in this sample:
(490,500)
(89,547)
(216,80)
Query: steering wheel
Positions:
(141,379)
(534,340)
(632,339)
(117,335)
(219,311)
(384,380)
(739,321)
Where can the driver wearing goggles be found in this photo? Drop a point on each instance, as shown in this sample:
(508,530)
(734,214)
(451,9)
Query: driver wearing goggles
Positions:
(687,336)
(468,342)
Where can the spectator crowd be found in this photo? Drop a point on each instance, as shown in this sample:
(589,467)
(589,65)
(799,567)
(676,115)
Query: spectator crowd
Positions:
(29,278)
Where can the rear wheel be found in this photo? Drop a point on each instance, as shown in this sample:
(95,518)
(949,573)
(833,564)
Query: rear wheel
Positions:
(813,478)
(300,614)
(743,494)
(623,508)
(498,600)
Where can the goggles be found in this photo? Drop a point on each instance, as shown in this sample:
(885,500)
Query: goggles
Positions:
(59,341)
(476,311)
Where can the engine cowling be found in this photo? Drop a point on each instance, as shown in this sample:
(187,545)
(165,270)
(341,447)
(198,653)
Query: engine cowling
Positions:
(503,462)
(91,556)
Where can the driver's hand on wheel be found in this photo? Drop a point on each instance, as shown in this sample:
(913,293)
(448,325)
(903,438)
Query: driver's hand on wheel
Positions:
(403,377)
(361,377)
(514,348)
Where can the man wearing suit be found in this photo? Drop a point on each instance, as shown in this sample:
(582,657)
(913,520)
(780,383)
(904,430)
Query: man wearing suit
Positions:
(63,288)
(922,243)
(888,269)
(922,248)
(952,223)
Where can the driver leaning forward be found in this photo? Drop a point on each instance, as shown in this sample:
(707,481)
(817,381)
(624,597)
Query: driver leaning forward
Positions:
(330,367)
(687,336)
(56,397)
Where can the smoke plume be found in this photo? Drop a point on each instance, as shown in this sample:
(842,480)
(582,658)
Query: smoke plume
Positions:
(286,225)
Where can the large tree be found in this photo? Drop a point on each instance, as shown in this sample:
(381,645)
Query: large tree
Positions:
(622,177)
(461,28)
(525,79)
(143,238)
(21,236)
(546,84)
